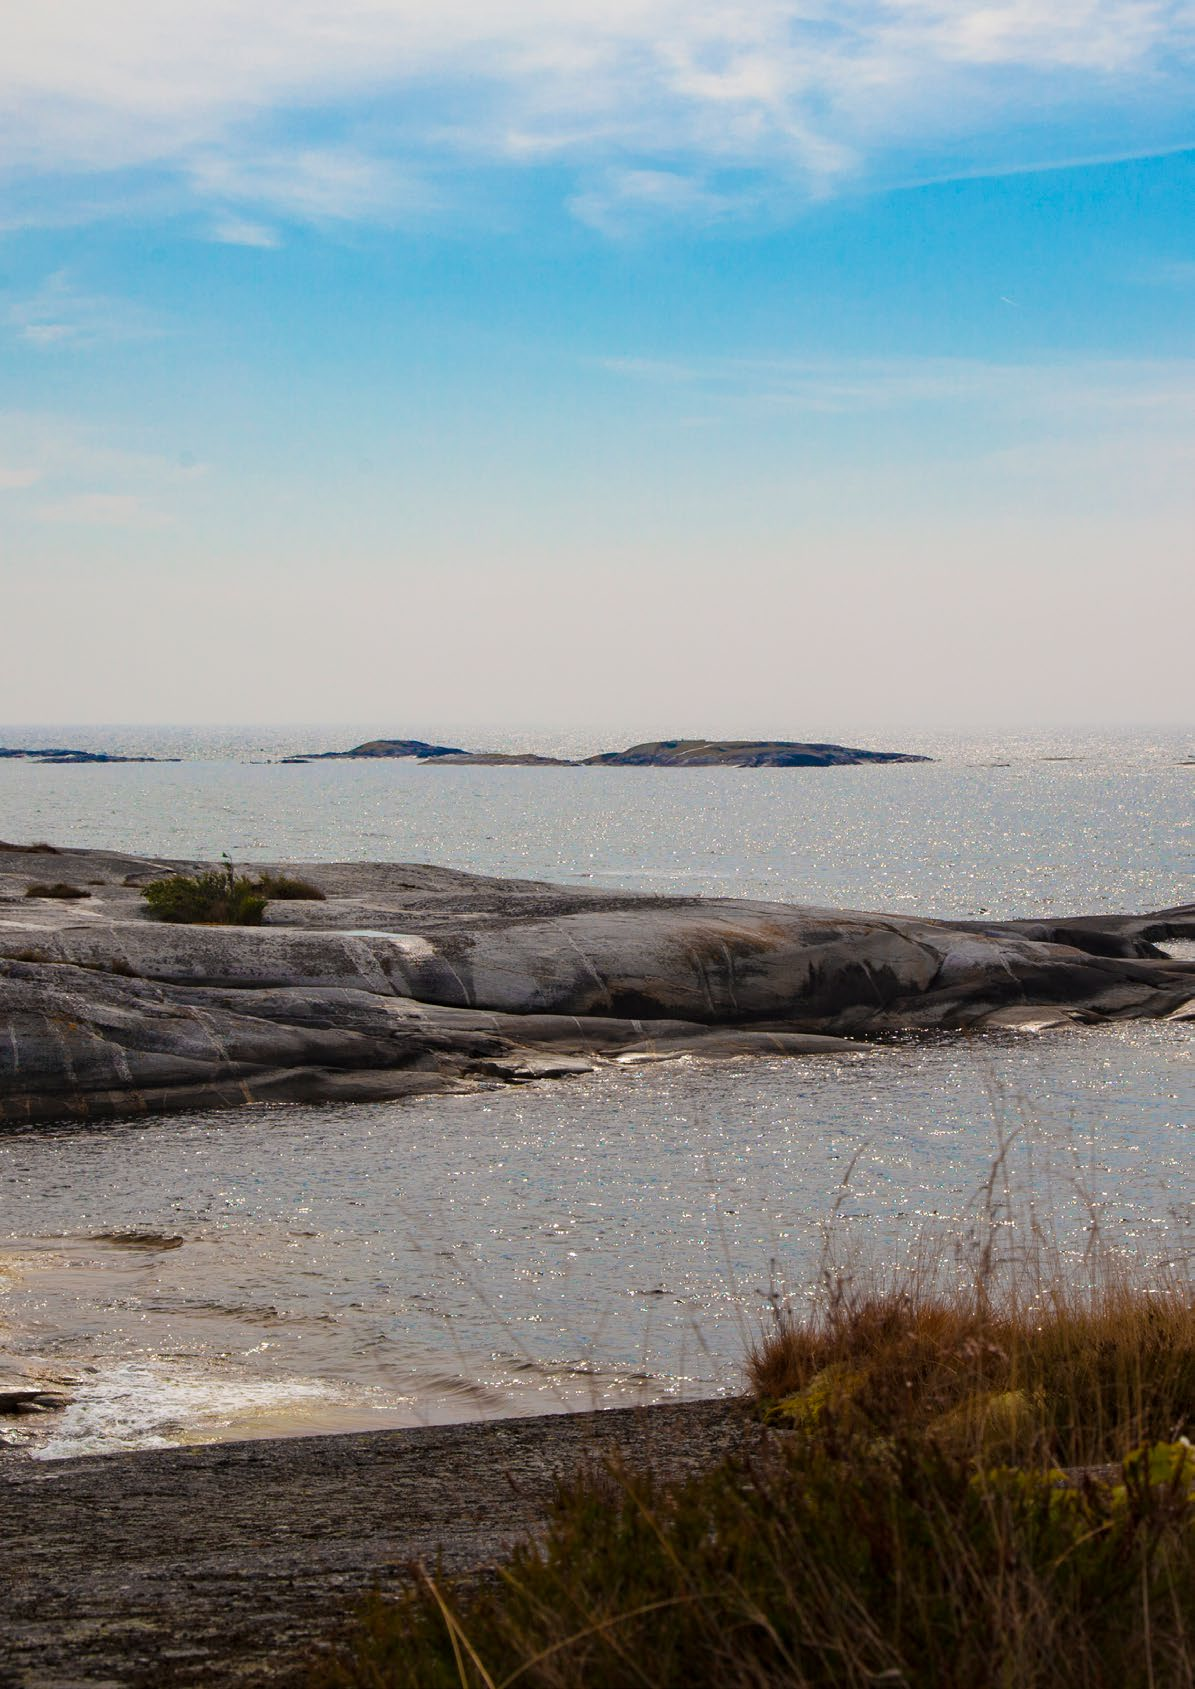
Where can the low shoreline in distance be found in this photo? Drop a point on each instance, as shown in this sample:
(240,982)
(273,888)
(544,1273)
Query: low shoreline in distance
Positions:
(654,753)
(57,755)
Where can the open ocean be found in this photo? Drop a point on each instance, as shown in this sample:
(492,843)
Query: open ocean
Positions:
(621,1236)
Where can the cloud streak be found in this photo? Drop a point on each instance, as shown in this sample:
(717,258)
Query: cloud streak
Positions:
(239,231)
(59,316)
(308,184)
(1088,389)
(1118,426)
(807,92)
(54,471)
(102,510)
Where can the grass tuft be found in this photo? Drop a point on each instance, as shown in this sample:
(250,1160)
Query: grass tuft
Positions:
(221,897)
(289,888)
(1067,1379)
(59,889)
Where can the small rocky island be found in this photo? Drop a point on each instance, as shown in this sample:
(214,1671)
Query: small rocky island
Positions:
(398,979)
(742,753)
(57,755)
(655,753)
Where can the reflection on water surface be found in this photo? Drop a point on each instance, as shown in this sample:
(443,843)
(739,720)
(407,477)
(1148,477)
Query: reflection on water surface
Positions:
(604,1240)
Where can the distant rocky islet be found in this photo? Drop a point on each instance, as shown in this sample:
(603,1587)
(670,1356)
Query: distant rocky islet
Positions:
(654,753)
(58,755)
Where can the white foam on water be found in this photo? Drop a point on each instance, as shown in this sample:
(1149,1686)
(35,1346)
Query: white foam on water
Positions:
(139,1405)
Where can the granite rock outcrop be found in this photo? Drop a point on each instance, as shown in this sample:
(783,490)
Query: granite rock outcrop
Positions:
(409,979)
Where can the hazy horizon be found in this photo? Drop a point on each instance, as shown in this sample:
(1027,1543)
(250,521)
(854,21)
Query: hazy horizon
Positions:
(609,734)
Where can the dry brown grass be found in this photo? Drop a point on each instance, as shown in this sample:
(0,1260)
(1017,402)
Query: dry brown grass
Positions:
(1068,1379)
(910,1527)
(289,888)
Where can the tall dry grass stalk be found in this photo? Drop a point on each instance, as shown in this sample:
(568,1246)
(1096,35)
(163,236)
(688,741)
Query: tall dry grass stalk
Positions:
(992,1335)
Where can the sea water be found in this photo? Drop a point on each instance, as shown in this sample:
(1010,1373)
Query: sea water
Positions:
(623,1236)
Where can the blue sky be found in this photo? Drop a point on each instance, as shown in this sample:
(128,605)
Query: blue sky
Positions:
(746,367)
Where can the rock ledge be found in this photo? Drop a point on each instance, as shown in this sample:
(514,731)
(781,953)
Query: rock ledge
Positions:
(410,979)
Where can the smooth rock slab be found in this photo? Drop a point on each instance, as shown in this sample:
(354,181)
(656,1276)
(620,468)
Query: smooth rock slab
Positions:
(411,979)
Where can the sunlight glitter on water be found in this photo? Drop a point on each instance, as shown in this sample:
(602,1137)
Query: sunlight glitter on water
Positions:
(565,1245)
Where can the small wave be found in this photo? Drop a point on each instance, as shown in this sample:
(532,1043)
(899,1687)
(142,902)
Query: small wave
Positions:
(243,1313)
(464,1389)
(582,1370)
(140,1406)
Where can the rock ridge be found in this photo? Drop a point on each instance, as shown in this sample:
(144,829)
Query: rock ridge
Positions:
(408,979)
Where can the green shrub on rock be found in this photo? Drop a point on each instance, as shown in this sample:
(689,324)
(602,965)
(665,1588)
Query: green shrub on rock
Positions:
(216,898)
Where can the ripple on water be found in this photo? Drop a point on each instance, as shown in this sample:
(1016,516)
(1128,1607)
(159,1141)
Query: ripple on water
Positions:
(610,1239)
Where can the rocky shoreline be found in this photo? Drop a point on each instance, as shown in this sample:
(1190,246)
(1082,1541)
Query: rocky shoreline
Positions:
(224,1564)
(407,979)
(58,756)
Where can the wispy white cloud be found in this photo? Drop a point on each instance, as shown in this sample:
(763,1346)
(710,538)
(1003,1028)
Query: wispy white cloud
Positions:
(15,478)
(1075,439)
(55,470)
(310,184)
(58,314)
(620,201)
(49,446)
(1083,392)
(808,91)
(1062,159)
(239,231)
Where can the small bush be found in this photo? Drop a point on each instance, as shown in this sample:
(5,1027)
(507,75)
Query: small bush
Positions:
(216,898)
(58,889)
(220,897)
(30,849)
(288,888)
